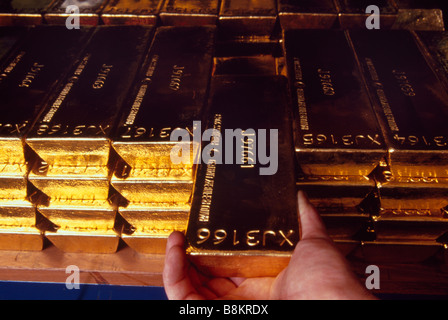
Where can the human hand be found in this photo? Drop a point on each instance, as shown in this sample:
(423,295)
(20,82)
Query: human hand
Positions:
(317,270)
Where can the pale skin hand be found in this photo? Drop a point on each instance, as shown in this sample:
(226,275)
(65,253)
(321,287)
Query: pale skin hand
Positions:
(317,270)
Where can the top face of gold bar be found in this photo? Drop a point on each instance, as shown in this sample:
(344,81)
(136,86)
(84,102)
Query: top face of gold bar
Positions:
(85,6)
(190,7)
(436,43)
(132,7)
(81,114)
(411,103)
(360,6)
(246,225)
(335,122)
(23,6)
(306,6)
(232,8)
(9,37)
(170,93)
(30,74)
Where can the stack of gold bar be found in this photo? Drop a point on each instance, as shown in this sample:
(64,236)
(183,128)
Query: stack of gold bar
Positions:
(101,138)
(27,75)
(153,176)
(338,142)
(71,140)
(411,104)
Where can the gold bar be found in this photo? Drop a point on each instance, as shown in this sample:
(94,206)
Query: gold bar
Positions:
(72,135)
(419,15)
(151,226)
(169,95)
(410,102)
(27,77)
(255,233)
(189,12)
(85,225)
(408,194)
(307,14)
(131,12)
(89,12)
(255,65)
(352,13)
(337,194)
(18,226)
(435,46)
(23,12)
(247,18)
(336,129)
(346,226)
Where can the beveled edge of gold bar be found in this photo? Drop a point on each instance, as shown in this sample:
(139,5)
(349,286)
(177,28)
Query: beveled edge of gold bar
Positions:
(240,263)
(21,240)
(146,244)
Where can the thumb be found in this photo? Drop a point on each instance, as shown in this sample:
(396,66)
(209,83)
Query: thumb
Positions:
(310,222)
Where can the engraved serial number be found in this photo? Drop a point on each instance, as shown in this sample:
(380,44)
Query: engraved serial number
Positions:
(176,77)
(96,130)
(326,82)
(411,140)
(310,139)
(31,75)
(139,132)
(102,76)
(404,83)
(251,238)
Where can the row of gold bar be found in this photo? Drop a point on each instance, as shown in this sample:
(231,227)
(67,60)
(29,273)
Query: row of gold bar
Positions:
(236,17)
(88,116)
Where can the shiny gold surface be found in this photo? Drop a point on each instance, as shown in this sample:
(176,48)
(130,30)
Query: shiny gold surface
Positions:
(336,193)
(131,12)
(414,193)
(247,18)
(307,14)
(22,12)
(97,242)
(189,12)
(89,11)
(18,226)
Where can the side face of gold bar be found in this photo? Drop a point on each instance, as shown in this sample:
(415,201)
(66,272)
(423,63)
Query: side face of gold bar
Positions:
(336,194)
(131,12)
(410,101)
(260,225)
(416,193)
(261,65)
(336,129)
(247,18)
(23,12)
(28,76)
(419,15)
(307,14)
(89,12)
(189,12)
(410,230)
(75,126)
(352,13)
(170,95)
